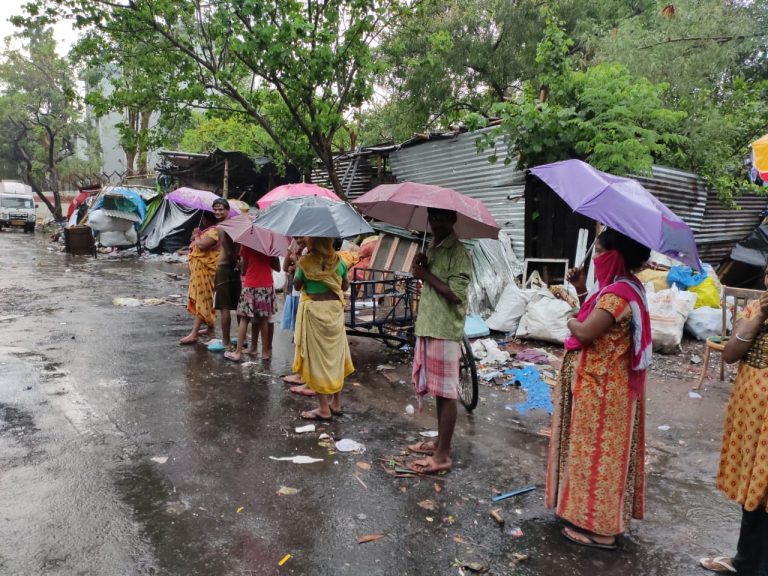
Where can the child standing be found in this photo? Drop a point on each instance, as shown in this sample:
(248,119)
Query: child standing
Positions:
(257,301)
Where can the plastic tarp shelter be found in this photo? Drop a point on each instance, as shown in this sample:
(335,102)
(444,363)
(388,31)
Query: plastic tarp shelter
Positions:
(170,227)
(753,249)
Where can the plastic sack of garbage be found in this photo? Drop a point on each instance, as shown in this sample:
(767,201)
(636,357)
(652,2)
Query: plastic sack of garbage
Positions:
(684,278)
(114,238)
(545,318)
(707,294)
(100,222)
(705,322)
(669,309)
(509,309)
(488,351)
(493,268)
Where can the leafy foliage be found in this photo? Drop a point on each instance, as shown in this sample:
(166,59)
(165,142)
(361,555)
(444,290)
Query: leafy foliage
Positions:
(602,115)
(41,116)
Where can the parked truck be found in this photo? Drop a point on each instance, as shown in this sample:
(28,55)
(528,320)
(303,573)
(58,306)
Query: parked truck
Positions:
(17,205)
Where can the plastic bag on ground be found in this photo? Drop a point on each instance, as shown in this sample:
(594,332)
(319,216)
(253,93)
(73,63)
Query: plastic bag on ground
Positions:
(669,309)
(684,278)
(488,352)
(706,322)
(545,318)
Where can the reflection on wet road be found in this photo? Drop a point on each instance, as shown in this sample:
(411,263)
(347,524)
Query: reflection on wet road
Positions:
(124,453)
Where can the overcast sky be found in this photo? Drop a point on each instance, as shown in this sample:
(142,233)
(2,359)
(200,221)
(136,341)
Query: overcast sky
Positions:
(63,31)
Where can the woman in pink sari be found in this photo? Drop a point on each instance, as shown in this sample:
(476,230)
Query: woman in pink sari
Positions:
(595,476)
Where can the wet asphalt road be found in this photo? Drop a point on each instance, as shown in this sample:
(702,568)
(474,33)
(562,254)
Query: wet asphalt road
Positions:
(90,393)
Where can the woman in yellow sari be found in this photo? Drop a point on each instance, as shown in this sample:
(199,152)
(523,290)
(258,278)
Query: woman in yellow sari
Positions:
(322,357)
(203,260)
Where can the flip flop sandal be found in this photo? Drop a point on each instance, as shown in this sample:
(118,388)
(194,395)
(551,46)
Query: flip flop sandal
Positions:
(228,356)
(590,542)
(722,564)
(316,416)
(421,449)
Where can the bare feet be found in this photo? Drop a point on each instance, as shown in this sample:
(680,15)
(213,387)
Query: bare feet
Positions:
(293,379)
(590,539)
(188,339)
(266,354)
(302,390)
(316,414)
(234,356)
(429,465)
(427,448)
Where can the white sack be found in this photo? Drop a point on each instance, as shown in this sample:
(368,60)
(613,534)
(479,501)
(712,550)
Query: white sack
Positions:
(545,319)
(509,309)
(103,223)
(117,238)
(669,309)
(706,322)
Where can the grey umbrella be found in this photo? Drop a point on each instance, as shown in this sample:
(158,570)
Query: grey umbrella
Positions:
(313,216)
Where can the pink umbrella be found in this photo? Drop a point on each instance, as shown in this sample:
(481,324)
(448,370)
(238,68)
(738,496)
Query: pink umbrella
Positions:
(292,190)
(242,230)
(405,205)
(196,199)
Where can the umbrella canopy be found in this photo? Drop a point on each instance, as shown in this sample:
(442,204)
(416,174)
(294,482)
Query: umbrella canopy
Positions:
(196,199)
(624,205)
(241,229)
(313,216)
(760,157)
(294,190)
(405,205)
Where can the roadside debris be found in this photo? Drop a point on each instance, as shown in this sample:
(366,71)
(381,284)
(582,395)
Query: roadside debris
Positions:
(347,445)
(284,559)
(369,538)
(500,497)
(305,429)
(159,459)
(297,459)
(287,491)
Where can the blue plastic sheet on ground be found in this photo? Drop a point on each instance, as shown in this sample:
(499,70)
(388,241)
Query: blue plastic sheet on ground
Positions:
(684,278)
(539,394)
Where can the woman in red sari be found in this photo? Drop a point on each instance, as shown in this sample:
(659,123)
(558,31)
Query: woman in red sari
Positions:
(595,476)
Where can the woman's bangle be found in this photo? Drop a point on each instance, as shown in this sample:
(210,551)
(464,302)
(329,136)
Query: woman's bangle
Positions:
(740,339)
(582,294)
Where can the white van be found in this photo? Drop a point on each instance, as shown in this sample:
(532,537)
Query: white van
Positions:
(17,206)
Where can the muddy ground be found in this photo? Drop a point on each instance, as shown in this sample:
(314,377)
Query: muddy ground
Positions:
(123,453)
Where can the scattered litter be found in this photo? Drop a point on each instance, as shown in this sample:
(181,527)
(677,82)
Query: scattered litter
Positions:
(429,434)
(363,465)
(488,351)
(409,409)
(240,509)
(663,427)
(500,497)
(475,567)
(287,491)
(297,459)
(176,507)
(496,515)
(382,367)
(369,538)
(428,505)
(520,557)
(695,395)
(533,355)
(284,560)
(695,359)
(356,477)
(324,436)
(305,429)
(514,531)
(160,459)
(361,517)
(539,395)
(429,519)
(129,302)
(488,376)
(347,445)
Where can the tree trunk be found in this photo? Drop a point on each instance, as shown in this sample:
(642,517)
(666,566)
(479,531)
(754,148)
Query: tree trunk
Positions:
(130,161)
(53,171)
(131,146)
(326,157)
(143,142)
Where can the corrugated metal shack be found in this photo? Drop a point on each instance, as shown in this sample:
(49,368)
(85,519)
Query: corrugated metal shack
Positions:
(452,160)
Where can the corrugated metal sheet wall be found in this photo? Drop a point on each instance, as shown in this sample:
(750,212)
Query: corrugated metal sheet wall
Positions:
(455,163)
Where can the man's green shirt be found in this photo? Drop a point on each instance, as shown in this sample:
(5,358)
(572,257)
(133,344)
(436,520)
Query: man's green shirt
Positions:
(437,318)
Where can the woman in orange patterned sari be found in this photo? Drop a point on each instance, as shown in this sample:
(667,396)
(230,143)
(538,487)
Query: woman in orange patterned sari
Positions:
(743,472)
(595,478)
(203,261)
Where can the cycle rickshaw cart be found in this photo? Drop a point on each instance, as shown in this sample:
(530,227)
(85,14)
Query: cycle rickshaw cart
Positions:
(383,305)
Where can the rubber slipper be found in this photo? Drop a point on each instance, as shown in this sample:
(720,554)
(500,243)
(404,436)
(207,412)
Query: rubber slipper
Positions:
(230,356)
(721,564)
(590,542)
(419,448)
(427,469)
(315,416)
(216,345)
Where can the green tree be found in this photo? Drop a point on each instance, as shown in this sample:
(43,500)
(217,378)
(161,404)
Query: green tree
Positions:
(315,56)
(41,115)
(602,115)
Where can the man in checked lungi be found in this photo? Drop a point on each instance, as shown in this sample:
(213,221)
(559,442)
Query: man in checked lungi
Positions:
(445,271)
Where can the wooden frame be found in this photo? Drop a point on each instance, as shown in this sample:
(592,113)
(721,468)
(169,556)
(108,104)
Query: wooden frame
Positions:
(563,261)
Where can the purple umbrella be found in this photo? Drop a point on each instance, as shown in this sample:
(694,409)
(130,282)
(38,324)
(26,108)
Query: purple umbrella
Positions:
(622,204)
(196,199)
